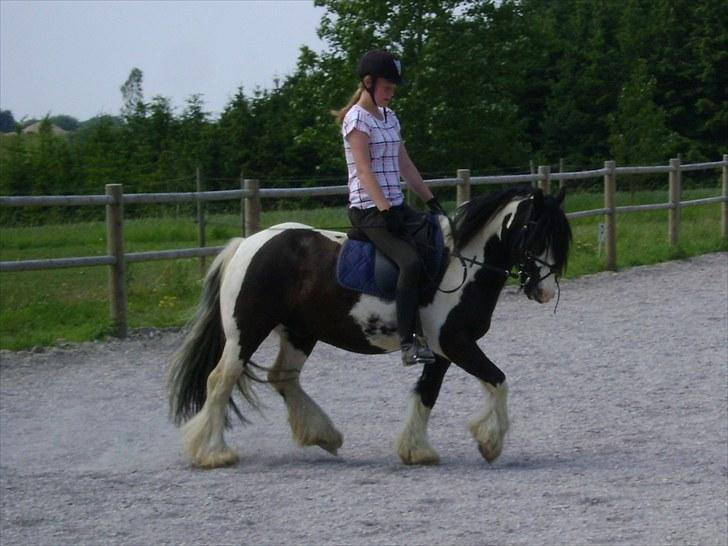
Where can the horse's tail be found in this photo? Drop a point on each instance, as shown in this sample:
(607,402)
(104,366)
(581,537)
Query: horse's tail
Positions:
(203,345)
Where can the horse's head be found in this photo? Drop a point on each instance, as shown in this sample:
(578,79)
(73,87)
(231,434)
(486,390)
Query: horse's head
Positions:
(537,238)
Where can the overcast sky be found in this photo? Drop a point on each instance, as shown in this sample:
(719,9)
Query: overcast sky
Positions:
(71,57)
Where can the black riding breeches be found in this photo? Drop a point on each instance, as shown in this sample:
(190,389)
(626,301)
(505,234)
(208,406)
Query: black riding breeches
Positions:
(394,247)
(401,252)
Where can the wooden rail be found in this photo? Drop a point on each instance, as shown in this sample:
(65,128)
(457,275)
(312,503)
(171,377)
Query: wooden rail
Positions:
(250,195)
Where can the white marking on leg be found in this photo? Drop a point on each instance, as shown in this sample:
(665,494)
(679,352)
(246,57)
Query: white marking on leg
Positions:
(203,435)
(489,428)
(412,444)
(309,423)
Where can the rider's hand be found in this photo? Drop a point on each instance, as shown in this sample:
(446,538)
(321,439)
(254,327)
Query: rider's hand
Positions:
(435,206)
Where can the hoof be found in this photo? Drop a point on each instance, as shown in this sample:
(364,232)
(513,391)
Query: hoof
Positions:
(490,453)
(489,437)
(331,444)
(334,450)
(218,459)
(420,456)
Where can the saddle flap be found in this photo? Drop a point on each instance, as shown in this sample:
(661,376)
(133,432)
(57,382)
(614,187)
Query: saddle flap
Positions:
(362,267)
(356,268)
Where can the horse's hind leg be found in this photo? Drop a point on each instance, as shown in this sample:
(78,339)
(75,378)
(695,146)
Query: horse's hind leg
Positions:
(412,444)
(309,424)
(203,435)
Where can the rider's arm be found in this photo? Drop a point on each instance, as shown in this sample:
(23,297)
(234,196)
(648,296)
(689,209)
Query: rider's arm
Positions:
(412,175)
(359,142)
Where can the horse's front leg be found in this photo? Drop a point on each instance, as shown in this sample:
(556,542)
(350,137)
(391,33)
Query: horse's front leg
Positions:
(490,426)
(412,444)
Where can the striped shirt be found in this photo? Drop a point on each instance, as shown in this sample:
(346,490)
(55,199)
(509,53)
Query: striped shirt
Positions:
(384,142)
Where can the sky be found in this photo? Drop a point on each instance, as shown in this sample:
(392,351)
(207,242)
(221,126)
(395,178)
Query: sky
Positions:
(71,57)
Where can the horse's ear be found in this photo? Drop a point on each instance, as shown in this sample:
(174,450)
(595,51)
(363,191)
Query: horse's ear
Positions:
(560,197)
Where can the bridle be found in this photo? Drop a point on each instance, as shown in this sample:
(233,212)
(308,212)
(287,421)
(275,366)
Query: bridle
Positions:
(526,268)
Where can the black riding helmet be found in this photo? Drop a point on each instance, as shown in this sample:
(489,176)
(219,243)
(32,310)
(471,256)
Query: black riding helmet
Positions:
(379,63)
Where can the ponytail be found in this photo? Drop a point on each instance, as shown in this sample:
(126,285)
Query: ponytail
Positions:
(341,114)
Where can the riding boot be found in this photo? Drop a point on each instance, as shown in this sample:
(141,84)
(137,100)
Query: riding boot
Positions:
(425,350)
(413,350)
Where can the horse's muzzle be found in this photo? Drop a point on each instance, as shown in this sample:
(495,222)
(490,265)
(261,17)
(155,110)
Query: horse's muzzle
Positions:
(539,294)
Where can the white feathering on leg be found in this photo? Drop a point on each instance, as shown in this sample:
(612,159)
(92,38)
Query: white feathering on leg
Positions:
(490,427)
(412,444)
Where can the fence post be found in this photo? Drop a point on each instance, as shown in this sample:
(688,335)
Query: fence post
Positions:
(532,170)
(252,207)
(610,217)
(115,248)
(673,227)
(724,205)
(242,205)
(544,178)
(462,190)
(200,220)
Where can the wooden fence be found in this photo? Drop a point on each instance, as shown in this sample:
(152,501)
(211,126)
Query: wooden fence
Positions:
(250,195)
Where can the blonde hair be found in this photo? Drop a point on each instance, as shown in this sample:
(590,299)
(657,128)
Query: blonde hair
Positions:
(341,114)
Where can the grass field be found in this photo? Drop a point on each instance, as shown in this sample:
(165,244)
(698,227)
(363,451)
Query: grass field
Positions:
(49,307)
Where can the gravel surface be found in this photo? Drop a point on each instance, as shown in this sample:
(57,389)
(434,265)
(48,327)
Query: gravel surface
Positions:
(619,417)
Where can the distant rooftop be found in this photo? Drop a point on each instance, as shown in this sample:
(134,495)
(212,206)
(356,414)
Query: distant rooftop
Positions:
(35,128)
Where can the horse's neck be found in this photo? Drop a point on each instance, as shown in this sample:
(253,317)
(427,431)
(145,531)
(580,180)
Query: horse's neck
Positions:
(492,228)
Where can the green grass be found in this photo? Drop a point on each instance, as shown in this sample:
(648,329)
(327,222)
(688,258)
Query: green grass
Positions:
(49,307)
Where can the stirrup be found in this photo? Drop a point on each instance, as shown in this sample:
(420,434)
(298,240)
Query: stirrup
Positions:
(416,351)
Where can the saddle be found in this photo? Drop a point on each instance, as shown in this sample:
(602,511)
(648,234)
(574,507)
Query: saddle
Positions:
(362,267)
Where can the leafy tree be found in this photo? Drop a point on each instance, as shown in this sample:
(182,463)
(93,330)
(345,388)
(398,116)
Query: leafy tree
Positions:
(193,144)
(7,121)
(132,93)
(97,147)
(67,123)
(234,135)
(51,165)
(638,131)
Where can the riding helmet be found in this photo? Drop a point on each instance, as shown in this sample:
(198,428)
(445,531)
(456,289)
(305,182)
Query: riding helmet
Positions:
(379,63)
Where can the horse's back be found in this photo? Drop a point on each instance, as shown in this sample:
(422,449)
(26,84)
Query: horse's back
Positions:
(287,274)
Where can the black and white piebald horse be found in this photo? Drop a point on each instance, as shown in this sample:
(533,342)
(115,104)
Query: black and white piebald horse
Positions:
(282,280)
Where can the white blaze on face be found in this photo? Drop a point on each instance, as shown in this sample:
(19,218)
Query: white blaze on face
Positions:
(547,287)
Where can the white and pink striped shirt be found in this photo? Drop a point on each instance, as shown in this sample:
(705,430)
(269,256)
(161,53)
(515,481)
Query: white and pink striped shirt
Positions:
(384,143)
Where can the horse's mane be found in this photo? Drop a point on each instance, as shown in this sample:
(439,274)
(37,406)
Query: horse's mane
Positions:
(556,230)
(472,215)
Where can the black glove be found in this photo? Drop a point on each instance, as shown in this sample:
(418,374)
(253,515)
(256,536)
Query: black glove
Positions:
(435,206)
(393,221)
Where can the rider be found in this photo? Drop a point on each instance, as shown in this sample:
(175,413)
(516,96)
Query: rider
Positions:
(376,157)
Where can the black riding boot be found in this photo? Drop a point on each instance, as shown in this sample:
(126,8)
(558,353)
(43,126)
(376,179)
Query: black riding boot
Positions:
(414,348)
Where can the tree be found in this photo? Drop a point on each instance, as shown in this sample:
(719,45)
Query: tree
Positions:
(194,139)
(234,135)
(132,94)
(638,131)
(7,121)
(67,123)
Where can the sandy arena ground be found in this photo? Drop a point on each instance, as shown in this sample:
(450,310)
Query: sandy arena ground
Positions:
(619,435)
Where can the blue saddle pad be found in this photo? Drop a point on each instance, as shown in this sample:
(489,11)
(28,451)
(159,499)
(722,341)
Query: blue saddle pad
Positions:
(362,267)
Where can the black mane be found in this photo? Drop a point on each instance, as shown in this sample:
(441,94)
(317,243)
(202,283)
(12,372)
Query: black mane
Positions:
(552,228)
(472,215)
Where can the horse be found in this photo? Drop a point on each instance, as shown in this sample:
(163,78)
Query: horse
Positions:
(281,280)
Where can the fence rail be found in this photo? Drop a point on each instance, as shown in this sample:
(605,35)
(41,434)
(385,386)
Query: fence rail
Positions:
(250,195)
